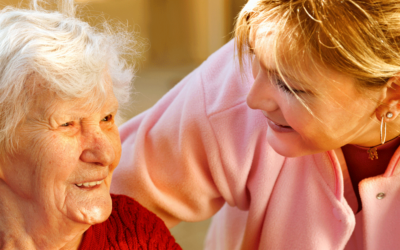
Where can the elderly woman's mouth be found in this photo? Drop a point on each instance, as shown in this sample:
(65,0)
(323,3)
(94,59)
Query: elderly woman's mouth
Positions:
(89,184)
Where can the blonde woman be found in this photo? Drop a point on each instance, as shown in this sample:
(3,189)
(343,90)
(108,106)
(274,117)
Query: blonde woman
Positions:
(290,139)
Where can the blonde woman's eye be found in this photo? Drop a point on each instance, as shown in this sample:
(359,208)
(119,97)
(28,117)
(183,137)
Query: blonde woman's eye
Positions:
(107,118)
(282,85)
(251,51)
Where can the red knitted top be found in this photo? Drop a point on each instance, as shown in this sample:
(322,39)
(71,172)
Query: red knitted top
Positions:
(129,227)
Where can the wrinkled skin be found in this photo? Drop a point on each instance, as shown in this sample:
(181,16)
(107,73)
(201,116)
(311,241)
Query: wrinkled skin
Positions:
(60,144)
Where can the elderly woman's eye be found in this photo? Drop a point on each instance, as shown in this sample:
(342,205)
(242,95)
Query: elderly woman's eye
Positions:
(66,124)
(107,118)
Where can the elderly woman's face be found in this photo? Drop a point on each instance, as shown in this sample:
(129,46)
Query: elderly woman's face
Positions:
(65,158)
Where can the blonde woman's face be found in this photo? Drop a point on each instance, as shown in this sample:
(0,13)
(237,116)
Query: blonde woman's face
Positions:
(65,159)
(336,113)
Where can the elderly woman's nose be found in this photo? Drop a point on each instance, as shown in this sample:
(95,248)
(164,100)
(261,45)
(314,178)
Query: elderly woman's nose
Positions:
(97,149)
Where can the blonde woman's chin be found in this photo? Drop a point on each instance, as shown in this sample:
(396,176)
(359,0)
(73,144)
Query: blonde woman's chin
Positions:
(290,144)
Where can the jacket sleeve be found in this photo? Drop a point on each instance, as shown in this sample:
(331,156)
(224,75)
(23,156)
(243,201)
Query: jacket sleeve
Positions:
(193,151)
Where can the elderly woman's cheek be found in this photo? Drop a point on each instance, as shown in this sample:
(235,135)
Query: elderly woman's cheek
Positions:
(58,160)
(27,167)
(116,142)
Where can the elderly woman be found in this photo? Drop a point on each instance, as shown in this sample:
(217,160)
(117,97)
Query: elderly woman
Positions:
(61,85)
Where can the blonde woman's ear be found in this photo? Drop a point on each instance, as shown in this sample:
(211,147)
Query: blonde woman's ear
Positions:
(394,80)
(390,102)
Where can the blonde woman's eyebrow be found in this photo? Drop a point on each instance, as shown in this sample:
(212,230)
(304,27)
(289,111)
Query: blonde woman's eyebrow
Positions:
(275,72)
(289,80)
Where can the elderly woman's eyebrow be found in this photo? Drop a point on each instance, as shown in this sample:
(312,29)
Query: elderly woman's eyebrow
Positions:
(79,117)
(113,108)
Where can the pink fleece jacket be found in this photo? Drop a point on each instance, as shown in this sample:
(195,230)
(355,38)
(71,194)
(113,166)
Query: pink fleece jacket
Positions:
(202,152)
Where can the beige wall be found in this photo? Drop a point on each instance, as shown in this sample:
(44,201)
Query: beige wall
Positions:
(178,31)
(183,31)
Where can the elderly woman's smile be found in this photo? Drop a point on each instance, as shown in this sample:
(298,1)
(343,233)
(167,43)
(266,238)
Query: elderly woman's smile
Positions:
(90,184)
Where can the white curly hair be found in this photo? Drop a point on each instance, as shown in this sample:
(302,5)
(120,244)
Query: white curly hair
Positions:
(68,53)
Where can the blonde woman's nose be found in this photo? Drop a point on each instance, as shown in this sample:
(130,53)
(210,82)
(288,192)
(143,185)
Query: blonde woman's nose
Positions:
(262,96)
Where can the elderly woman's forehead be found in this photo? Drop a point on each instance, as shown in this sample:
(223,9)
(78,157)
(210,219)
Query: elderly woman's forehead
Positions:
(35,83)
(46,101)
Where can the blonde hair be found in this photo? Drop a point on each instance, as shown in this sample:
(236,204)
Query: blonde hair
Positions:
(68,53)
(360,38)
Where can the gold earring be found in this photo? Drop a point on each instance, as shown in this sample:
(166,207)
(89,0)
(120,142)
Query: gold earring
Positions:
(383,124)
(372,151)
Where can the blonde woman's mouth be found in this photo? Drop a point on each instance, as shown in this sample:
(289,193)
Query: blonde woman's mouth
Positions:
(278,127)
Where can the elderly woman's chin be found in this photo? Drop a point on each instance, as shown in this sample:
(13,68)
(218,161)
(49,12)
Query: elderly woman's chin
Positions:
(88,205)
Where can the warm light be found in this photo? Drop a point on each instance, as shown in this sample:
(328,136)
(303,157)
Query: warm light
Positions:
(96,1)
(89,1)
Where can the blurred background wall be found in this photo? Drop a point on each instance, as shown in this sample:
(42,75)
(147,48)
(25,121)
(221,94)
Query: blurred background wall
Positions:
(180,35)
